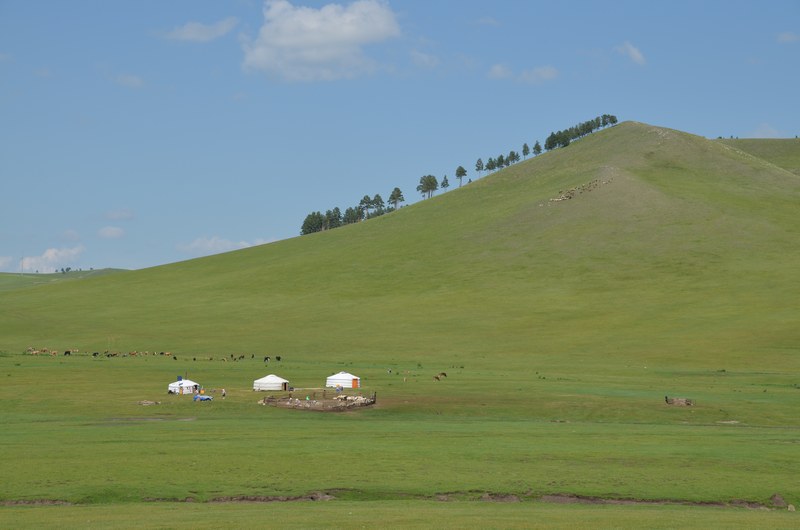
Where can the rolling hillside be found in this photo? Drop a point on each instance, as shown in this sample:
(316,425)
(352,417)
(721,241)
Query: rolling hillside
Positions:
(672,246)
(564,296)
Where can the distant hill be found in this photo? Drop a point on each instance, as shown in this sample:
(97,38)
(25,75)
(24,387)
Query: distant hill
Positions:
(10,281)
(783,153)
(636,242)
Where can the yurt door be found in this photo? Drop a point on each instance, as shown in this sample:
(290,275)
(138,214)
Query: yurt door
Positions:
(355,383)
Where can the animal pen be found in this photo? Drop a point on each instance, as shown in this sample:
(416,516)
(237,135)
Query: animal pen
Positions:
(337,403)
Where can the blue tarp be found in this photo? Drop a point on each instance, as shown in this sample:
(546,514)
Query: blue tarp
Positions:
(198,397)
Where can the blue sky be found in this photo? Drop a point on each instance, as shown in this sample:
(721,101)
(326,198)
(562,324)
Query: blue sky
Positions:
(139,133)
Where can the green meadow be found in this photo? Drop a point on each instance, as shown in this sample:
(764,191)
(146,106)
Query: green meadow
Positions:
(562,324)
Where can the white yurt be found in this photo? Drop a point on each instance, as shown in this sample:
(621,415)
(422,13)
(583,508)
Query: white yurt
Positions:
(183,386)
(344,380)
(271,382)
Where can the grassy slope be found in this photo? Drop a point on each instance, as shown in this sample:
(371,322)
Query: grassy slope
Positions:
(9,281)
(784,153)
(674,274)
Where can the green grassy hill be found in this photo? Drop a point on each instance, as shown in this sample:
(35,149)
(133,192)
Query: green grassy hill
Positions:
(677,246)
(564,296)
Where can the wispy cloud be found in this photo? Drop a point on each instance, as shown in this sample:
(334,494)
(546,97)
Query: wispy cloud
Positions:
(111,232)
(198,32)
(52,259)
(307,44)
(500,71)
(788,36)
(129,81)
(204,246)
(535,76)
(424,60)
(765,130)
(5,263)
(539,75)
(631,52)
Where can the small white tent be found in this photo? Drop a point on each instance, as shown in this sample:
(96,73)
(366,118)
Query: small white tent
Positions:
(184,386)
(344,380)
(271,382)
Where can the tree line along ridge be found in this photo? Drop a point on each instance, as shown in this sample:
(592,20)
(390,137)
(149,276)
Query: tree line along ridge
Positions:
(369,207)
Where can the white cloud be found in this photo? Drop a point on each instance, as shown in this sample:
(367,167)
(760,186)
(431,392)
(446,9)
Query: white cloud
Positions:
(197,32)
(424,60)
(632,52)
(765,130)
(111,232)
(52,259)
(204,246)
(307,44)
(788,36)
(500,71)
(129,80)
(539,75)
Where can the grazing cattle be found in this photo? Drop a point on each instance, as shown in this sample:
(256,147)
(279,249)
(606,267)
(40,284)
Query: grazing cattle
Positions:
(266,359)
(174,357)
(95,354)
(68,352)
(277,357)
(442,374)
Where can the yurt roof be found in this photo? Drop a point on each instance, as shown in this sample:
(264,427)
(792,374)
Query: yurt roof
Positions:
(344,375)
(184,382)
(272,378)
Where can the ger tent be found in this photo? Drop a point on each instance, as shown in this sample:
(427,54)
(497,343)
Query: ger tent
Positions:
(271,382)
(344,380)
(183,386)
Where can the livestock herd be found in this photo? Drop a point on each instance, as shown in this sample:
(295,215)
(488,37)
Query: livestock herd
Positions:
(134,353)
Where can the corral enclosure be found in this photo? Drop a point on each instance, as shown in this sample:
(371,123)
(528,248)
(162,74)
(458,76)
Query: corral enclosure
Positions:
(561,326)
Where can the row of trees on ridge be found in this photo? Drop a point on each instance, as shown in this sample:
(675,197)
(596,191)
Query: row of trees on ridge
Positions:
(367,208)
(428,184)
